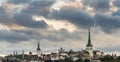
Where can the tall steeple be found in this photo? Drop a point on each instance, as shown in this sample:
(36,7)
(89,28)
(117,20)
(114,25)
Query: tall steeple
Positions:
(89,39)
(38,48)
(89,46)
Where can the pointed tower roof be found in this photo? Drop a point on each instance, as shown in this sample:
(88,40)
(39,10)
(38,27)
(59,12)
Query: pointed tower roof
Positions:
(38,48)
(89,39)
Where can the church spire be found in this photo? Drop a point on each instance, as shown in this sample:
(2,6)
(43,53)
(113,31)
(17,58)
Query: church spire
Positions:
(38,48)
(89,39)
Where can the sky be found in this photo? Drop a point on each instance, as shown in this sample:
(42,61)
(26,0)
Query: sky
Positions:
(59,23)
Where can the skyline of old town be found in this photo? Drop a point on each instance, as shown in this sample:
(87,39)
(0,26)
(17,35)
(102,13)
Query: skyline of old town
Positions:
(59,23)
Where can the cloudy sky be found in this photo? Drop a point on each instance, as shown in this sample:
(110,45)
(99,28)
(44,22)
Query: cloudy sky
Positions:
(56,23)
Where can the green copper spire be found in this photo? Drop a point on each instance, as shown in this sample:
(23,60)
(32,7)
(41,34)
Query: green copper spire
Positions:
(38,47)
(89,39)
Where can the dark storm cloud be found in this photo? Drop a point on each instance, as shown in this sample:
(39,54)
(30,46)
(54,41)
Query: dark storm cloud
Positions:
(76,16)
(117,13)
(24,18)
(18,1)
(17,36)
(116,3)
(36,7)
(98,5)
(2,14)
(108,22)
(57,36)
(4,17)
(54,36)
(27,21)
(12,36)
(31,34)
(61,35)
(40,7)
(20,19)
(42,3)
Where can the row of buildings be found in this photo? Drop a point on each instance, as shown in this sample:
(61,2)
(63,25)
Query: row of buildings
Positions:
(88,53)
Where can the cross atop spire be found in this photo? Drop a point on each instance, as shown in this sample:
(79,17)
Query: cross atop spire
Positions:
(38,48)
(89,39)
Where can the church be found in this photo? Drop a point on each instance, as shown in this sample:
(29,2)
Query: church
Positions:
(89,46)
(89,53)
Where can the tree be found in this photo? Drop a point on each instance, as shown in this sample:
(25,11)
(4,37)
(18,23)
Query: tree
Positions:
(107,59)
(68,59)
(118,58)
(86,60)
(79,60)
